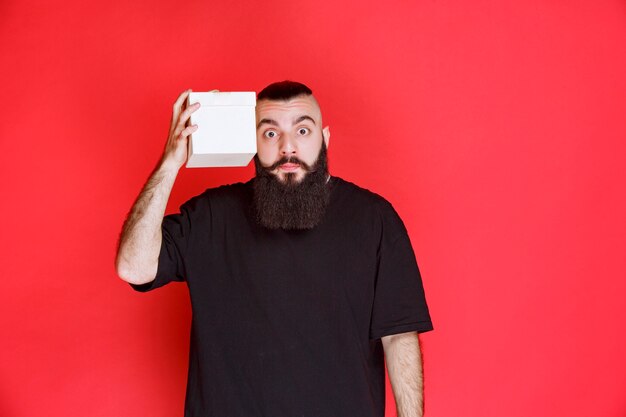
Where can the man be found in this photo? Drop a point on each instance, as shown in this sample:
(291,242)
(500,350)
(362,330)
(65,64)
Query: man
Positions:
(301,283)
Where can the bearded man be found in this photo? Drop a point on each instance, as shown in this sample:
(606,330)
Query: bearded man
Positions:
(302,284)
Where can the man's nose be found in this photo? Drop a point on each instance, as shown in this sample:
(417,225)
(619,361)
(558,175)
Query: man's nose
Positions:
(287,145)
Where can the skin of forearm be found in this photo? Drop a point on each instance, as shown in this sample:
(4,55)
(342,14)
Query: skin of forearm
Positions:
(404,365)
(140,240)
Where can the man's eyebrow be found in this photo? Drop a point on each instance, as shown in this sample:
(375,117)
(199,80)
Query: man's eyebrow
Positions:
(303,118)
(267,121)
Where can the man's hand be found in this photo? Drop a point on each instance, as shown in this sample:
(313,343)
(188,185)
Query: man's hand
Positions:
(175,153)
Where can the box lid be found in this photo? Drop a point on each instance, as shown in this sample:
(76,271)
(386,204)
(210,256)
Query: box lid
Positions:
(231,98)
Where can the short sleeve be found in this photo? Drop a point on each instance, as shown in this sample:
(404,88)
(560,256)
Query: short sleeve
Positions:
(175,231)
(399,300)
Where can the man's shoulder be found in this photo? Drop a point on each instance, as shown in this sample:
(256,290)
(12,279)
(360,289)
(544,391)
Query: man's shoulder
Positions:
(222,194)
(368,207)
(358,195)
(228,190)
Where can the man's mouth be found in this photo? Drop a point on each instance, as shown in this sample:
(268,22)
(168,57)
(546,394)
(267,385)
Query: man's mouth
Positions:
(289,166)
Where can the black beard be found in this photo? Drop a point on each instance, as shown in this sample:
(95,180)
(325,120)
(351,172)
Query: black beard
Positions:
(291,205)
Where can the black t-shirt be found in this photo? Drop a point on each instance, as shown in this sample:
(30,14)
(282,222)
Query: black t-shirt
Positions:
(288,323)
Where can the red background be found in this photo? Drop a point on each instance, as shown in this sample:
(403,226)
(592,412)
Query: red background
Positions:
(496,129)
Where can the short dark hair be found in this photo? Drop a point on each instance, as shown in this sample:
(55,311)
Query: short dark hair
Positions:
(284,90)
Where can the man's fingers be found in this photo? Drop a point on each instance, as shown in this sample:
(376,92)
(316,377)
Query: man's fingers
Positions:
(180,100)
(187,114)
(187,131)
(177,109)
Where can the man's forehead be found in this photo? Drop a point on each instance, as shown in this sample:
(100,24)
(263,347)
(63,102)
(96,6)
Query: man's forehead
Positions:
(294,107)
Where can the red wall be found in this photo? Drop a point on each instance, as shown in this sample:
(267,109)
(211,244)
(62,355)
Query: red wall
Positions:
(497,130)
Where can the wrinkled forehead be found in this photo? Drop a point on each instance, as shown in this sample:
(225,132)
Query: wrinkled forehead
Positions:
(289,109)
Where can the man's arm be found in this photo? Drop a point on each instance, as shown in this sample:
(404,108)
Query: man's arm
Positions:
(404,365)
(140,241)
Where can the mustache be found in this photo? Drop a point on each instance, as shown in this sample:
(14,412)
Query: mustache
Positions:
(289,160)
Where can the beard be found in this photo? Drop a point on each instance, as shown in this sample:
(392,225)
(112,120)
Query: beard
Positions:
(288,204)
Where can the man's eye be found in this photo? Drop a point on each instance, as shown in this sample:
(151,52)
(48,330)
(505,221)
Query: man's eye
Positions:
(303,131)
(270,134)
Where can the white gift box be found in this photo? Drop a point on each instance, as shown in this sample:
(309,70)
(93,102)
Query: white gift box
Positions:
(226,134)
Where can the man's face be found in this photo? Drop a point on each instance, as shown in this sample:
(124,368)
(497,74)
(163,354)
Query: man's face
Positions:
(289,136)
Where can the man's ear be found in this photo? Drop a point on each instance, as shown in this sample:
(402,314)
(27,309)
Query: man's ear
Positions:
(326,133)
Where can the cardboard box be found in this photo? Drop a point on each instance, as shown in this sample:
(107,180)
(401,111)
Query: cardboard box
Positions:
(226,134)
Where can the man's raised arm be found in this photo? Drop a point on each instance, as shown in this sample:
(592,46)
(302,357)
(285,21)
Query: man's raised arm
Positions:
(140,241)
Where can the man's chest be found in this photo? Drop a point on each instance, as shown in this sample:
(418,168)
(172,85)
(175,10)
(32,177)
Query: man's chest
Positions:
(321,279)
